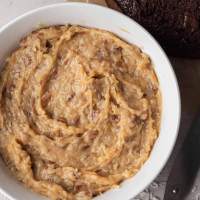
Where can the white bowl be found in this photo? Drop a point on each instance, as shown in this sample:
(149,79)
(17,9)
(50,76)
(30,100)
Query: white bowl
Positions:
(103,18)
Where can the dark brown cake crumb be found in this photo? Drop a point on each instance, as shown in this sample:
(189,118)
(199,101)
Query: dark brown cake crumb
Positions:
(174,23)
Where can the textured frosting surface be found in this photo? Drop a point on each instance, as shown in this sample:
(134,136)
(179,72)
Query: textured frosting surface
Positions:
(80,111)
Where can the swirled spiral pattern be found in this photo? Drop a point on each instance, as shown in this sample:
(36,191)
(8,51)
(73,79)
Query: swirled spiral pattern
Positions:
(80,111)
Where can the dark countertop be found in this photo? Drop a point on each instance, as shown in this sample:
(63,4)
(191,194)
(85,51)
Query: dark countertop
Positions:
(188,75)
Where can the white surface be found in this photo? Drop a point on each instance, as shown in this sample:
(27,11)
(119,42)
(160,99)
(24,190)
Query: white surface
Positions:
(9,9)
(2,197)
(100,17)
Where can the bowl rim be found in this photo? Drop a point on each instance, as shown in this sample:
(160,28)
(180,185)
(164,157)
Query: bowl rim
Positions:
(176,86)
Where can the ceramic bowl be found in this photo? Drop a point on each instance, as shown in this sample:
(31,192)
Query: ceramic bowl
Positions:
(103,18)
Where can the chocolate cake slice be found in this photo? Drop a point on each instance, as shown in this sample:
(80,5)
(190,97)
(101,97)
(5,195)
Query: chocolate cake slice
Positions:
(174,23)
